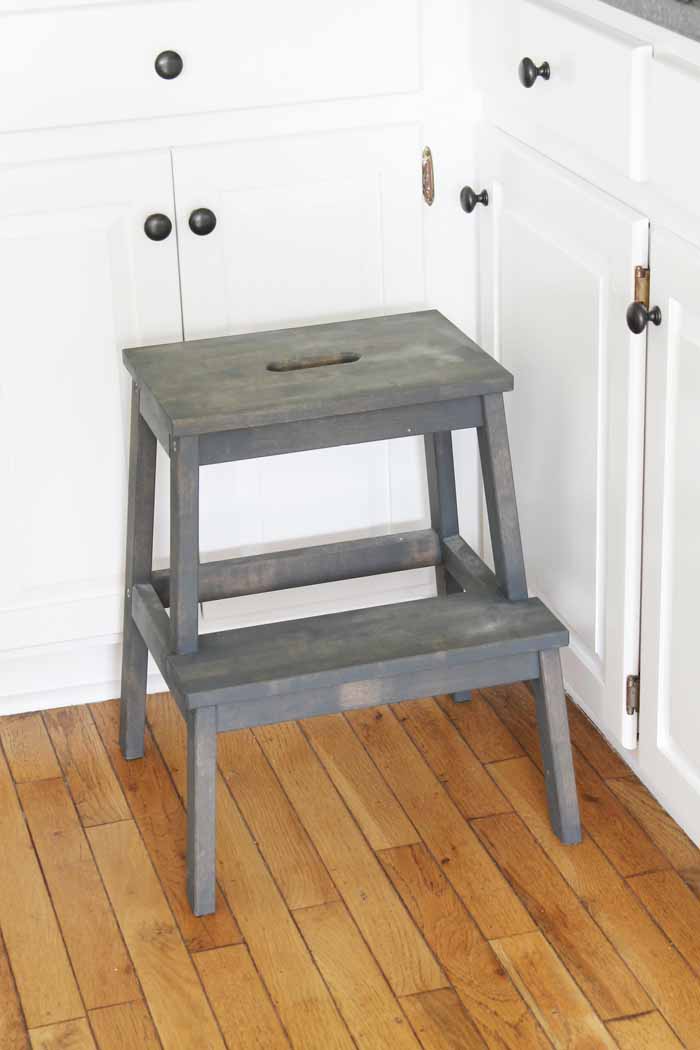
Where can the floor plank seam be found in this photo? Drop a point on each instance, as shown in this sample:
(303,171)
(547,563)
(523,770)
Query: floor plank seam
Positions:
(278,888)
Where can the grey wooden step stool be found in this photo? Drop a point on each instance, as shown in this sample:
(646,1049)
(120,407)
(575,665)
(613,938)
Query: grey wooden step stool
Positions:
(242,397)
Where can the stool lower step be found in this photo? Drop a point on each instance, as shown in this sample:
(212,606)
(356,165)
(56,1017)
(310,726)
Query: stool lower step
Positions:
(466,640)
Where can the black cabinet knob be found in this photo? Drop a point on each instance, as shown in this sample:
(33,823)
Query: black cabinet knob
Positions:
(469,199)
(202,221)
(638,317)
(169,65)
(529,72)
(157,227)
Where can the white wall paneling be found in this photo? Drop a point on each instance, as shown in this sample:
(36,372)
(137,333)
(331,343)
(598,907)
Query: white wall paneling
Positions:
(669,736)
(557,270)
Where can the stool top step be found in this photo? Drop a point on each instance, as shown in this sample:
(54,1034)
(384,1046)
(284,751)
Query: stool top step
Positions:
(316,372)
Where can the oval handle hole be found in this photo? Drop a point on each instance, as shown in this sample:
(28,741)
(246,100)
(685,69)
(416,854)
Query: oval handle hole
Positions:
(294,364)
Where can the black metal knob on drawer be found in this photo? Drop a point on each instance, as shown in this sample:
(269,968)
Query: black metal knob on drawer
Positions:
(638,317)
(202,221)
(529,72)
(157,227)
(169,65)
(469,199)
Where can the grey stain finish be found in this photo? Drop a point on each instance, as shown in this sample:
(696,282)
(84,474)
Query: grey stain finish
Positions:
(347,383)
(675,15)
(211,385)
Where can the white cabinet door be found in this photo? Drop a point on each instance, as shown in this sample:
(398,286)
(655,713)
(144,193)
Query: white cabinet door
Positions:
(669,731)
(558,262)
(80,280)
(309,228)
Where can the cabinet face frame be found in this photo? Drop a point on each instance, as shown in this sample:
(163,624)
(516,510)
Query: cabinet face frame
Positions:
(556,229)
(669,737)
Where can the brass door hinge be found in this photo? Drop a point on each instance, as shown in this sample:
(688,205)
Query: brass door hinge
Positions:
(641,285)
(632,703)
(428,176)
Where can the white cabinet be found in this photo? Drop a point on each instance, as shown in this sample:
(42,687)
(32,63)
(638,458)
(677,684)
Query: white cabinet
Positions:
(309,228)
(557,270)
(95,62)
(669,737)
(80,280)
(595,96)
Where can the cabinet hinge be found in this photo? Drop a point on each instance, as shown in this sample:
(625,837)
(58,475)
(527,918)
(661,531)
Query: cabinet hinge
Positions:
(642,276)
(632,704)
(428,173)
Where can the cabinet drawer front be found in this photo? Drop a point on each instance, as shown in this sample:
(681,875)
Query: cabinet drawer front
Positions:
(596,95)
(675,156)
(89,64)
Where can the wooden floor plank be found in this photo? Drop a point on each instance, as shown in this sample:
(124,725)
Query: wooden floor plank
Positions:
(440,1021)
(660,969)
(459,771)
(675,908)
(368,1005)
(293,861)
(161,819)
(609,984)
(487,895)
(69,1035)
(648,1032)
(554,997)
(93,785)
(358,780)
(593,745)
(394,940)
(174,993)
(28,748)
(481,727)
(493,1003)
(303,1001)
(125,1027)
(13,1034)
(240,1000)
(683,854)
(28,922)
(100,961)
(621,838)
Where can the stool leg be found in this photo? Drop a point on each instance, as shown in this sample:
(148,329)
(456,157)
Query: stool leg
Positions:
(139,564)
(442,496)
(201,810)
(499,490)
(184,544)
(553,723)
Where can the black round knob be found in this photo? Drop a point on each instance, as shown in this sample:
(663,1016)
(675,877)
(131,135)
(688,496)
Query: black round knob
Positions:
(529,72)
(638,317)
(469,199)
(157,227)
(202,221)
(169,65)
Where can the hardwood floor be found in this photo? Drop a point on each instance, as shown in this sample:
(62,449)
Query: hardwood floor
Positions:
(388,880)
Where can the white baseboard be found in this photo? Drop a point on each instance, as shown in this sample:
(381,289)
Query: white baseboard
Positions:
(87,670)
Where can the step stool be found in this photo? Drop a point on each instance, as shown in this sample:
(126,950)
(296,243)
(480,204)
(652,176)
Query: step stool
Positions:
(243,397)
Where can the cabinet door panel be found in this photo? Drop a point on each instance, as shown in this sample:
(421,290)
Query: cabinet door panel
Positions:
(669,731)
(558,262)
(309,229)
(80,281)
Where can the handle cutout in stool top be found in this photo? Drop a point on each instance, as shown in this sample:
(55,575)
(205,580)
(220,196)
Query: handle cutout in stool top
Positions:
(295,364)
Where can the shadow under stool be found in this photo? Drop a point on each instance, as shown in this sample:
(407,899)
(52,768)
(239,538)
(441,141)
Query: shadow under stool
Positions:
(249,396)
